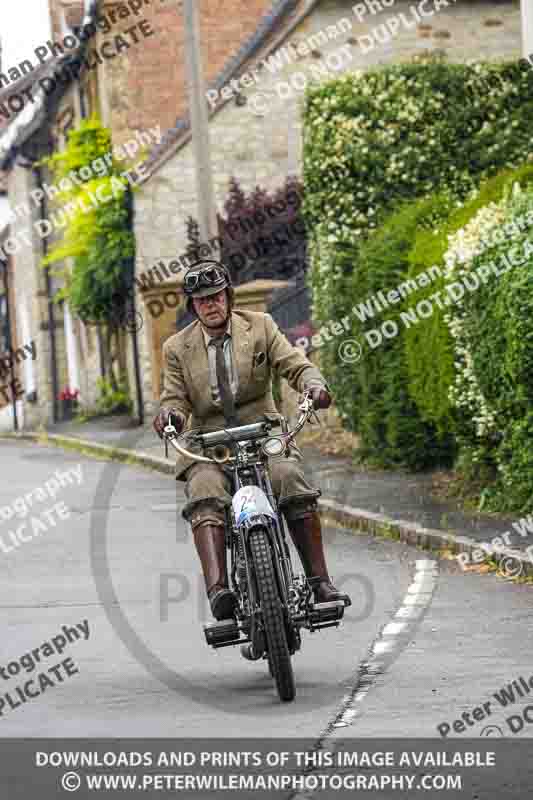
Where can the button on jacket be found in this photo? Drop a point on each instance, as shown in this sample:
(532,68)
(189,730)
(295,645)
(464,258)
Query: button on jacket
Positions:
(259,350)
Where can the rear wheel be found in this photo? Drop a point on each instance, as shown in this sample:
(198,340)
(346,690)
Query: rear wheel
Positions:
(279,658)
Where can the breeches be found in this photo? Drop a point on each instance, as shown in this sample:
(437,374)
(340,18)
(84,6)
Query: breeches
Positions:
(208,491)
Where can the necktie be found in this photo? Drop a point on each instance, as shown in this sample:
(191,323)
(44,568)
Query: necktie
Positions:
(226,395)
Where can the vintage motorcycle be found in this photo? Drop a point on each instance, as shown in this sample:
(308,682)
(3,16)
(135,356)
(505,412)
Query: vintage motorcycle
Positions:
(273,603)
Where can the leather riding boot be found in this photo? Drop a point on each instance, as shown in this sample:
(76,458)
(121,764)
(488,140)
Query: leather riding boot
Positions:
(306,533)
(211,546)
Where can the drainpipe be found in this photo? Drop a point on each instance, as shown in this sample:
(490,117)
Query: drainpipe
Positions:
(132,309)
(51,319)
(9,344)
(83,115)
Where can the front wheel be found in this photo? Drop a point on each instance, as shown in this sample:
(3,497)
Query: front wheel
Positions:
(279,658)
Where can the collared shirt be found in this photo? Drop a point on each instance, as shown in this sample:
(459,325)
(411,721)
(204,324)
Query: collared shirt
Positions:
(229,359)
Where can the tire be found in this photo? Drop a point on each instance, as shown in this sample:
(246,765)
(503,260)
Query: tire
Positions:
(279,658)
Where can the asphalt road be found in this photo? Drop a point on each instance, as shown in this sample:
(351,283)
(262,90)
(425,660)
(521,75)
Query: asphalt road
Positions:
(111,566)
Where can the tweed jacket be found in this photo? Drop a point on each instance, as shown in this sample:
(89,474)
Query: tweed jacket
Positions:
(259,348)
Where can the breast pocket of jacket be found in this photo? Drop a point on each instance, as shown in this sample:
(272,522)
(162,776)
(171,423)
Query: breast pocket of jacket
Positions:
(260,366)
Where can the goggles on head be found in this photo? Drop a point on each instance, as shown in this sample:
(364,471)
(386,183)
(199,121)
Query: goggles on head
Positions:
(205,279)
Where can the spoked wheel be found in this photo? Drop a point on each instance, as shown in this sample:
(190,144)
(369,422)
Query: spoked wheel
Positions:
(279,658)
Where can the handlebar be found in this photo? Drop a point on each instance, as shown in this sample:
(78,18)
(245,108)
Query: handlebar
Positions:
(249,432)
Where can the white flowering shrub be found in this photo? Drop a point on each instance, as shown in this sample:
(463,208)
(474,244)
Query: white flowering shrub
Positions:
(465,246)
(430,348)
(492,332)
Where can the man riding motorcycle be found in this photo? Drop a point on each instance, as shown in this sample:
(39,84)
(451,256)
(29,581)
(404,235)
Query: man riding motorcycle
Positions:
(218,373)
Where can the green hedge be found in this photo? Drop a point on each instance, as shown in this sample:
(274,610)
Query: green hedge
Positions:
(375,140)
(388,421)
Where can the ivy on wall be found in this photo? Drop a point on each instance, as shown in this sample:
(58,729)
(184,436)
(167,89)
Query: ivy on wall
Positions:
(97,235)
(94,254)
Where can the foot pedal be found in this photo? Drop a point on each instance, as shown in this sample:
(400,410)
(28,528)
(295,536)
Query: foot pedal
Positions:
(223,633)
(322,615)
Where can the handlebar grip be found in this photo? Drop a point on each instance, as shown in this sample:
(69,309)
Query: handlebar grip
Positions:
(174,420)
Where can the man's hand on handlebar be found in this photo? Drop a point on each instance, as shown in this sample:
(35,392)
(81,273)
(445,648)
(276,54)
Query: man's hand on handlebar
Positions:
(168,416)
(320,396)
